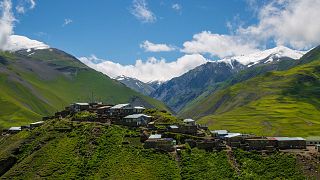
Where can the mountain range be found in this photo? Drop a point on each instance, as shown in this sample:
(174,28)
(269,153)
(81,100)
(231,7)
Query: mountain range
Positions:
(179,91)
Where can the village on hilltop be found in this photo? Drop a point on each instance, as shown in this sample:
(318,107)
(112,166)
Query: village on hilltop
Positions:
(174,136)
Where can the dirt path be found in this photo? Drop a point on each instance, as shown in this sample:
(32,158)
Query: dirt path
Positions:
(232,160)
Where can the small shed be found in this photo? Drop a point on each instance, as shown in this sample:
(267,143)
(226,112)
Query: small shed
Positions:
(14,129)
(164,144)
(135,120)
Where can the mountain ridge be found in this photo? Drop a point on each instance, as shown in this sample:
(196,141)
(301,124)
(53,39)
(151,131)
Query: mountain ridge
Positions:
(195,82)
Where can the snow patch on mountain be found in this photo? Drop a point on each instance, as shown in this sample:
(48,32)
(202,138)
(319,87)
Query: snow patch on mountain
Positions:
(272,54)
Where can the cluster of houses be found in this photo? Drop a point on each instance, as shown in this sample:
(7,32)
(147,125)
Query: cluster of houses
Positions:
(123,114)
(171,137)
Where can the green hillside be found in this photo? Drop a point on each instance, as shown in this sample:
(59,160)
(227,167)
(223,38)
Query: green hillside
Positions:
(35,84)
(62,149)
(277,103)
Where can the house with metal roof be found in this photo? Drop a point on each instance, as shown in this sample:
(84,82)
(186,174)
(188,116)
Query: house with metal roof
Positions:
(155,136)
(219,133)
(120,106)
(313,140)
(135,120)
(290,142)
(77,107)
(190,122)
(126,109)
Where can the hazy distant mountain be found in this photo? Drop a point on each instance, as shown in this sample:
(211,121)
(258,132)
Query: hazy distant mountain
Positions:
(179,91)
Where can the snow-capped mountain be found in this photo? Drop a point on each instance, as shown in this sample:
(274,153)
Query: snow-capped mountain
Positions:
(177,92)
(16,43)
(136,84)
(265,56)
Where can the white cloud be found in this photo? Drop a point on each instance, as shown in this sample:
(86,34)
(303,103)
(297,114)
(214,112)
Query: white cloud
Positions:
(21,7)
(287,22)
(218,45)
(67,21)
(150,70)
(141,12)
(6,22)
(32,4)
(151,47)
(176,7)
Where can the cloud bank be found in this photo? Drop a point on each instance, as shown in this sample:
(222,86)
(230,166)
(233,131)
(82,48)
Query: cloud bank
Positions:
(218,45)
(141,11)
(291,23)
(150,70)
(152,47)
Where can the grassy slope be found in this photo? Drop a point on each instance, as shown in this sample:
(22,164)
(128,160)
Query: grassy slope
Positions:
(21,105)
(94,151)
(88,151)
(277,103)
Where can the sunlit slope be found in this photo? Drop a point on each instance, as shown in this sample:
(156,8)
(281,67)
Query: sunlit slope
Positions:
(35,84)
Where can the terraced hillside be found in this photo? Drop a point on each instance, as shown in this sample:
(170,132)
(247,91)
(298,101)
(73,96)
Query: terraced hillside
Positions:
(277,103)
(39,82)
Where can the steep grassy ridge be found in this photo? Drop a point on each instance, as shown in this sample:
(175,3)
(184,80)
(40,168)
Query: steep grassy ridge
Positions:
(87,151)
(35,84)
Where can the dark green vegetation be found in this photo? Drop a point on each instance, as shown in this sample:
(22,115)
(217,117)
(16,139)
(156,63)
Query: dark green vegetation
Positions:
(199,164)
(66,150)
(62,149)
(283,103)
(38,83)
(275,166)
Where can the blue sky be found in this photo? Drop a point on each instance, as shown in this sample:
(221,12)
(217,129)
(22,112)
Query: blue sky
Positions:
(158,39)
(109,30)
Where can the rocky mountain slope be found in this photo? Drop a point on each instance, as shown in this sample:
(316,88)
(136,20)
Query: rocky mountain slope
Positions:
(135,84)
(180,91)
